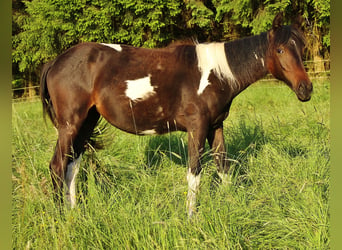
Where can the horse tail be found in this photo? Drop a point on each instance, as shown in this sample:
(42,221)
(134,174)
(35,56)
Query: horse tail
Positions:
(44,94)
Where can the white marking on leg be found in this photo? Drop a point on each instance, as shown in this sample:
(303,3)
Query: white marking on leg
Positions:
(193,186)
(225,178)
(70,179)
(117,47)
(140,88)
(212,57)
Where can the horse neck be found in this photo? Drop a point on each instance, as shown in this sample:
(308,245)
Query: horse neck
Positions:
(247,59)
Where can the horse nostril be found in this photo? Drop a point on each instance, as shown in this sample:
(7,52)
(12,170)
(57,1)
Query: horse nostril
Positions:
(301,87)
(304,87)
(304,90)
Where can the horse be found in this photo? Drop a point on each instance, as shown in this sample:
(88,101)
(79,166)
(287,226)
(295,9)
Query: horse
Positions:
(187,87)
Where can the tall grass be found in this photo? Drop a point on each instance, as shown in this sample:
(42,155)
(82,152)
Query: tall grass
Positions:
(131,195)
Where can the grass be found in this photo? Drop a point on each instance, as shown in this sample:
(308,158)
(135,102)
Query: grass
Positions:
(132,194)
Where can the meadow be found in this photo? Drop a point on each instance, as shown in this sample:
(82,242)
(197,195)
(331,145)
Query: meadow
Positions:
(132,194)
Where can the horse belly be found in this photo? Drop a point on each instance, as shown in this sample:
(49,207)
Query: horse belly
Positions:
(141,119)
(143,116)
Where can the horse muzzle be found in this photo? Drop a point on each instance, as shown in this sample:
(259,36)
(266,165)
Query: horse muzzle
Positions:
(304,91)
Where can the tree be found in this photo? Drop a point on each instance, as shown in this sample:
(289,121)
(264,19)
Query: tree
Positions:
(42,29)
(48,27)
(256,16)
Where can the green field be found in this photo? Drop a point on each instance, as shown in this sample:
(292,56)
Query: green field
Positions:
(131,195)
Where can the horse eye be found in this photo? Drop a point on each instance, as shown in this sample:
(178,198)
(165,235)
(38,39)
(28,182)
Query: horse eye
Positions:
(280,51)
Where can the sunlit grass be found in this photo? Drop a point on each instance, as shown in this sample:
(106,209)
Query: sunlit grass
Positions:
(132,194)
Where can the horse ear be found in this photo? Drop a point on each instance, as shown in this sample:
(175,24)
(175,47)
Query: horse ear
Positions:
(277,21)
(298,21)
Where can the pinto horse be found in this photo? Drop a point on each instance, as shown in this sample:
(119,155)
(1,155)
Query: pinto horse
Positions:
(187,87)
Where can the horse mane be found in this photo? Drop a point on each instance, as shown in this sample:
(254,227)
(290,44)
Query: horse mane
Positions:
(285,33)
(246,57)
(184,50)
(187,41)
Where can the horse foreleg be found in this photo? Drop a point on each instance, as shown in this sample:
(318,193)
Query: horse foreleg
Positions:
(196,140)
(216,141)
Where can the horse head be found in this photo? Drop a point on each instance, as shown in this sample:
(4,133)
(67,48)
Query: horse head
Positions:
(284,57)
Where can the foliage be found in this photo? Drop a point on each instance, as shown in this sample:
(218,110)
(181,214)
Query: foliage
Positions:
(132,193)
(201,16)
(42,29)
(321,18)
(47,28)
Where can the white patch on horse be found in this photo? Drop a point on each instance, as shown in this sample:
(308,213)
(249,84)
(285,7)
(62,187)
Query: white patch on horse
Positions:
(148,132)
(212,57)
(70,179)
(193,186)
(225,178)
(159,66)
(140,89)
(117,47)
(256,56)
(259,59)
(160,112)
(262,62)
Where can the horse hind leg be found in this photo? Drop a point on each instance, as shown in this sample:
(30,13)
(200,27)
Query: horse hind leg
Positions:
(61,158)
(78,148)
(65,163)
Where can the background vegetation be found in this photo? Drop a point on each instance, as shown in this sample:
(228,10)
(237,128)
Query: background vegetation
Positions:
(132,194)
(44,28)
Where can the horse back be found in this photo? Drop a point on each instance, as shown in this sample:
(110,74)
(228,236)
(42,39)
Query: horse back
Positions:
(126,83)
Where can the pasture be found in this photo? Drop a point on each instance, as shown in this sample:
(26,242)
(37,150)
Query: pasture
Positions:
(132,194)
